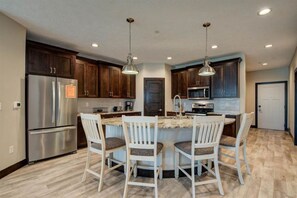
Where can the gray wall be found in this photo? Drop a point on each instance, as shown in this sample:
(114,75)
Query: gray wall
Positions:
(12,88)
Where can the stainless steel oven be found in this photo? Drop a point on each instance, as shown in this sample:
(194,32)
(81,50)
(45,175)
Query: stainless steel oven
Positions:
(200,109)
(199,93)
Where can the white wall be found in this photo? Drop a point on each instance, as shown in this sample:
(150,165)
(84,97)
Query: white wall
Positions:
(12,88)
(155,70)
(271,75)
(292,79)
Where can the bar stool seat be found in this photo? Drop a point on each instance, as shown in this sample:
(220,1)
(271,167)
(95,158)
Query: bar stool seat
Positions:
(110,143)
(147,152)
(187,146)
(229,141)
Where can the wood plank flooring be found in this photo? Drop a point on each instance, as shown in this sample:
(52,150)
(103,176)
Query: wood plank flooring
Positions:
(272,158)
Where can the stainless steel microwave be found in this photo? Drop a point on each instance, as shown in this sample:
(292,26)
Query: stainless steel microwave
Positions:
(199,93)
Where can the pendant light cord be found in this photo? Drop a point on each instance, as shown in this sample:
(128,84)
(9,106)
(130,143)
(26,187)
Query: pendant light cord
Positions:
(130,38)
(206,43)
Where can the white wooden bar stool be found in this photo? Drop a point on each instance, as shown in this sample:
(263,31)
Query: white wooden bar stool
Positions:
(235,144)
(207,131)
(141,135)
(98,144)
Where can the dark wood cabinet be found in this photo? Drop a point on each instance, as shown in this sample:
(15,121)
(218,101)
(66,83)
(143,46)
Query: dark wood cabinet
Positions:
(225,83)
(47,60)
(179,83)
(110,81)
(128,86)
(194,80)
(86,73)
(81,137)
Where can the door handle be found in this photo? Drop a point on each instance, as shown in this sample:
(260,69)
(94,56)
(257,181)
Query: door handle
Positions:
(54,101)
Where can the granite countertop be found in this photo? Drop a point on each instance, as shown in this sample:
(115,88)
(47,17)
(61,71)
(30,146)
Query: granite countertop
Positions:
(112,112)
(235,113)
(165,122)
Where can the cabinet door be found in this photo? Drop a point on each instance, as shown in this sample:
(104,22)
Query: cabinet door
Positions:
(125,85)
(63,65)
(193,77)
(79,75)
(104,81)
(132,86)
(231,80)
(217,82)
(204,81)
(183,84)
(91,80)
(38,61)
(115,81)
(174,84)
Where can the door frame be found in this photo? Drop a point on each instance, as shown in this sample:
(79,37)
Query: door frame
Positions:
(295,105)
(286,101)
(144,83)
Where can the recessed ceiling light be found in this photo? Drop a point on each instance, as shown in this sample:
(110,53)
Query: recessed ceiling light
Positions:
(169,58)
(264,11)
(135,58)
(268,45)
(214,47)
(264,64)
(95,45)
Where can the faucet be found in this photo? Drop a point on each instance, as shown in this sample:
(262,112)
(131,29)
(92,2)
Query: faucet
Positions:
(178,104)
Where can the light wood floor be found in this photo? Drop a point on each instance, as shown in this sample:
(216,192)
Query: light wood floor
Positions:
(272,157)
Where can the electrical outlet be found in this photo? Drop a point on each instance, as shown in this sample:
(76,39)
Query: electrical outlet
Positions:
(10,149)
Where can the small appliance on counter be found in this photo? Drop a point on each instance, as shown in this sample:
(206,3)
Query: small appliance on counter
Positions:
(100,110)
(117,108)
(129,105)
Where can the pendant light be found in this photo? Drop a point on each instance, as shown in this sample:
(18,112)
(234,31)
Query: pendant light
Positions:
(206,70)
(130,68)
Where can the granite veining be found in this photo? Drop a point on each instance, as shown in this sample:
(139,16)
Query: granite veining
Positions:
(164,122)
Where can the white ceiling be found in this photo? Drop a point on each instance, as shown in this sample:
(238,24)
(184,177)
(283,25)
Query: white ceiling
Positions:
(235,28)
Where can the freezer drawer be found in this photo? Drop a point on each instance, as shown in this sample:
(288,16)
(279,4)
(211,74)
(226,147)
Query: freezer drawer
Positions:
(47,143)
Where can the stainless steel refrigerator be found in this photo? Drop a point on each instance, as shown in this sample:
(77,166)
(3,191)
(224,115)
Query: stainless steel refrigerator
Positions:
(52,115)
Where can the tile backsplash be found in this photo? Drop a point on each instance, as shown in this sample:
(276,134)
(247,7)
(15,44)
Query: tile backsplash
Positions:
(86,105)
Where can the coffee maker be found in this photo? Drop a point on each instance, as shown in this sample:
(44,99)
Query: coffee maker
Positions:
(129,106)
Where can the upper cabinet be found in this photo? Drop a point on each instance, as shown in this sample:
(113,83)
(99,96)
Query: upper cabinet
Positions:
(128,86)
(225,83)
(48,60)
(110,81)
(194,80)
(179,83)
(86,73)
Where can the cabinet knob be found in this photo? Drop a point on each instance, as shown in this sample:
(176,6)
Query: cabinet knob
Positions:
(54,70)
(51,70)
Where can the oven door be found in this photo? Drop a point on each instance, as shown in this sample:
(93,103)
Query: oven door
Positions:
(198,93)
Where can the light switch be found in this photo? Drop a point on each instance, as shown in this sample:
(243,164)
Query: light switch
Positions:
(16,105)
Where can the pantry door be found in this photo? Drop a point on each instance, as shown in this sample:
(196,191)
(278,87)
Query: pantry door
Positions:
(154,96)
(271,105)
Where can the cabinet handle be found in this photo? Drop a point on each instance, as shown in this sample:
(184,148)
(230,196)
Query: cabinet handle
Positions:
(111,93)
(54,70)
(87,92)
(51,70)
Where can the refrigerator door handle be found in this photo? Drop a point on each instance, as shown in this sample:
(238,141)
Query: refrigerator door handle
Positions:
(43,131)
(59,101)
(54,101)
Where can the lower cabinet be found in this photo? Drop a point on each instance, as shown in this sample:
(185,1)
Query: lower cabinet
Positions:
(81,137)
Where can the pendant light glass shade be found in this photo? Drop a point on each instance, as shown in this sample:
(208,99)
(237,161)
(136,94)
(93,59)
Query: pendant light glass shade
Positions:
(130,68)
(206,70)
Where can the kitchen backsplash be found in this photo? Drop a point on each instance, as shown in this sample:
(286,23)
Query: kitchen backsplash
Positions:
(231,105)
(86,105)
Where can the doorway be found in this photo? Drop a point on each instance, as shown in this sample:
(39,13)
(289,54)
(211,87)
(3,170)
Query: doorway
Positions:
(271,105)
(154,97)
(295,109)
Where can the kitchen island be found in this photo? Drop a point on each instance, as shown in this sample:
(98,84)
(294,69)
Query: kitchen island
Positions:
(171,130)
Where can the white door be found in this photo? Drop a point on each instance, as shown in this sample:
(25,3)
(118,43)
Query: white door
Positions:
(271,106)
